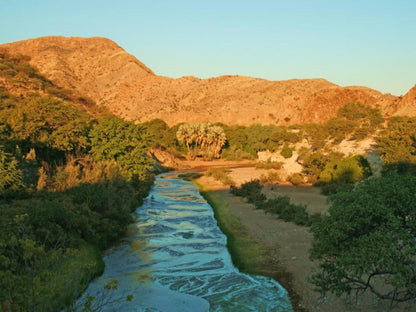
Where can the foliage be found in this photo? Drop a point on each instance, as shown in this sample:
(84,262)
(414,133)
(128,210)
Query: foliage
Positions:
(333,168)
(398,142)
(255,138)
(124,142)
(280,205)
(286,151)
(159,133)
(344,170)
(313,164)
(202,139)
(220,174)
(268,164)
(296,178)
(271,177)
(251,191)
(236,154)
(11,178)
(286,210)
(47,123)
(367,242)
(354,120)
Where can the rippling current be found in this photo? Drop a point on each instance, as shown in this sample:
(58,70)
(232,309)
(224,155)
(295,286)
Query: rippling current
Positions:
(175,259)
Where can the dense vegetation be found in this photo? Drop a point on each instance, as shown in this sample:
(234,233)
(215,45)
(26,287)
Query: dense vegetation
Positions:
(202,139)
(367,242)
(68,185)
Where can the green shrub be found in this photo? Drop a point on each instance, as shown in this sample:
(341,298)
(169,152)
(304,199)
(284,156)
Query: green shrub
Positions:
(268,164)
(286,152)
(236,154)
(280,205)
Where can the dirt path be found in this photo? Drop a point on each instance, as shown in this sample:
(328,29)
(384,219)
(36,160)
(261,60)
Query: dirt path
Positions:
(293,242)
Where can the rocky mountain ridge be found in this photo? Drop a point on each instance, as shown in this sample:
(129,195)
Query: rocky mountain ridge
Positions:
(103,71)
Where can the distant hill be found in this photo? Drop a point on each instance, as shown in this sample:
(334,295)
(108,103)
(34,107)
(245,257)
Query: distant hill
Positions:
(101,70)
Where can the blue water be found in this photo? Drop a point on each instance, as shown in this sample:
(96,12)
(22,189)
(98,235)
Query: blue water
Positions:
(175,259)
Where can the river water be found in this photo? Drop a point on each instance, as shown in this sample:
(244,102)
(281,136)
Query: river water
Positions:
(175,259)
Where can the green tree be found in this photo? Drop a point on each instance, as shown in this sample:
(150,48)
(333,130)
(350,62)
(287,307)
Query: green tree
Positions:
(202,139)
(286,151)
(11,178)
(49,122)
(115,139)
(398,142)
(344,170)
(367,242)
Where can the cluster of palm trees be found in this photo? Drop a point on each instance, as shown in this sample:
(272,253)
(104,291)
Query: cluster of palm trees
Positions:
(202,139)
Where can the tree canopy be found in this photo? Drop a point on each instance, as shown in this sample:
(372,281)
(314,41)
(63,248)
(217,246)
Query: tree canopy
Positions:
(115,139)
(202,139)
(398,142)
(367,242)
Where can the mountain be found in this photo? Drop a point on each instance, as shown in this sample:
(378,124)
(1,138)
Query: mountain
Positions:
(103,71)
(408,104)
(94,67)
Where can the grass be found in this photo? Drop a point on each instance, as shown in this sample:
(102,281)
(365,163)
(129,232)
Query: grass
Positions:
(68,277)
(247,254)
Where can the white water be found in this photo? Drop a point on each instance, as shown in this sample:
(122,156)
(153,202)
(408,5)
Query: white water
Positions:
(175,259)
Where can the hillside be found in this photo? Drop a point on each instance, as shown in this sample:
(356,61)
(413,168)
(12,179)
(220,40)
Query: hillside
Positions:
(408,104)
(103,71)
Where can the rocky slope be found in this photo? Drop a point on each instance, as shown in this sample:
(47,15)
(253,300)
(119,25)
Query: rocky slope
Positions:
(408,104)
(103,71)
(94,66)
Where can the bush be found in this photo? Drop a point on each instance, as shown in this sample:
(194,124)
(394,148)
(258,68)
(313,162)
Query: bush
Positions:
(286,151)
(236,154)
(296,179)
(220,174)
(272,177)
(268,164)
(280,205)
(251,191)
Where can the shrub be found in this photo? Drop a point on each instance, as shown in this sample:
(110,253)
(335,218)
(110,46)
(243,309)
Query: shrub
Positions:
(296,179)
(286,151)
(280,205)
(220,174)
(251,191)
(268,164)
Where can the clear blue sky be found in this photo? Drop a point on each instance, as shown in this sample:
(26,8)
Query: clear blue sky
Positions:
(368,42)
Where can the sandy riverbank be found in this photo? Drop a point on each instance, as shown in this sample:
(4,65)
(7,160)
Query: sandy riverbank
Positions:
(292,243)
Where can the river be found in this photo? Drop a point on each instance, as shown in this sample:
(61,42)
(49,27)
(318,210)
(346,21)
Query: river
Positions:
(175,259)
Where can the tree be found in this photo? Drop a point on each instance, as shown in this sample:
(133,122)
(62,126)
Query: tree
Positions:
(49,122)
(398,142)
(126,143)
(11,178)
(202,139)
(286,152)
(367,242)
(344,170)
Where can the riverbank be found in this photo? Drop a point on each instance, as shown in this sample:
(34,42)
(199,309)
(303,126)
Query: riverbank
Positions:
(283,247)
(249,253)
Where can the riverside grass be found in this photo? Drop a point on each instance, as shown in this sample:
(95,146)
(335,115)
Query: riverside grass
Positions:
(247,254)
